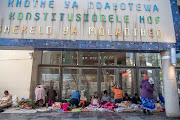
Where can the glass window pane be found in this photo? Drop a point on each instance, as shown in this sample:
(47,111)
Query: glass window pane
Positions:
(51,57)
(89,82)
(160,79)
(89,58)
(128,82)
(117,58)
(50,76)
(125,59)
(108,79)
(70,82)
(147,72)
(159,59)
(178,58)
(147,59)
(107,58)
(178,79)
(70,57)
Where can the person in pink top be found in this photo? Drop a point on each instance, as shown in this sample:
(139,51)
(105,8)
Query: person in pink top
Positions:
(40,95)
(95,100)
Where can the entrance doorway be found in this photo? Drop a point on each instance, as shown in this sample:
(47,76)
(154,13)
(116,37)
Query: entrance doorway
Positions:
(49,76)
(108,79)
(122,76)
(82,79)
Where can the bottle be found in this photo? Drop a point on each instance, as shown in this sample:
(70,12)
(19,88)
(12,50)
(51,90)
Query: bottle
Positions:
(46,105)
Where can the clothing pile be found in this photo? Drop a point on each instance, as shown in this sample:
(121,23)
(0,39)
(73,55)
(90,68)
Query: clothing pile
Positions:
(93,107)
(89,109)
(109,106)
(26,104)
(159,107)
(65,106)
(125,106)
(106,107)
(77,109)
(58,106)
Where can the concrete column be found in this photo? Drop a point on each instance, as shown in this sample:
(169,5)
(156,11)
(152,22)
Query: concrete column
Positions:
(99,82)
(117,76)
(60,83)
(115,59)
(80,63)
(60,77)
(37,57)
(120,80)
(80,80)
(105,75)
(156,83)
(170,86)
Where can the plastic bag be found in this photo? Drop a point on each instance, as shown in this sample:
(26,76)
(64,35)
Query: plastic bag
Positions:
(14,100)
(134,106)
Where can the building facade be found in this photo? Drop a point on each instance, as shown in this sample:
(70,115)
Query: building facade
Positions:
(86,45)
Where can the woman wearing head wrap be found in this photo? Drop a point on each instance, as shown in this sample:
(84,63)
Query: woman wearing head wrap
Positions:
(147,96)
(40,95)
(51,95)
(118,94)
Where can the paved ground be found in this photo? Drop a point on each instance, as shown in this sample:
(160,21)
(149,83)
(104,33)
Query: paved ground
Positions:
(84,116)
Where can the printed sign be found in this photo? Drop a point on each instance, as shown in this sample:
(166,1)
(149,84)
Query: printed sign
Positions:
(111,20)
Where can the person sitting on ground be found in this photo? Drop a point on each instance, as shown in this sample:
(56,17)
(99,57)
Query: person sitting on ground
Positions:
(51,95)
(126,97)
(6,100)
(136,99)
(105,98)
(161,98)
(95,100)
(118,94)
(75,99)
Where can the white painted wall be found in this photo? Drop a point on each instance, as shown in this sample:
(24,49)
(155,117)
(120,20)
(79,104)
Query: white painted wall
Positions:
(15,72)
